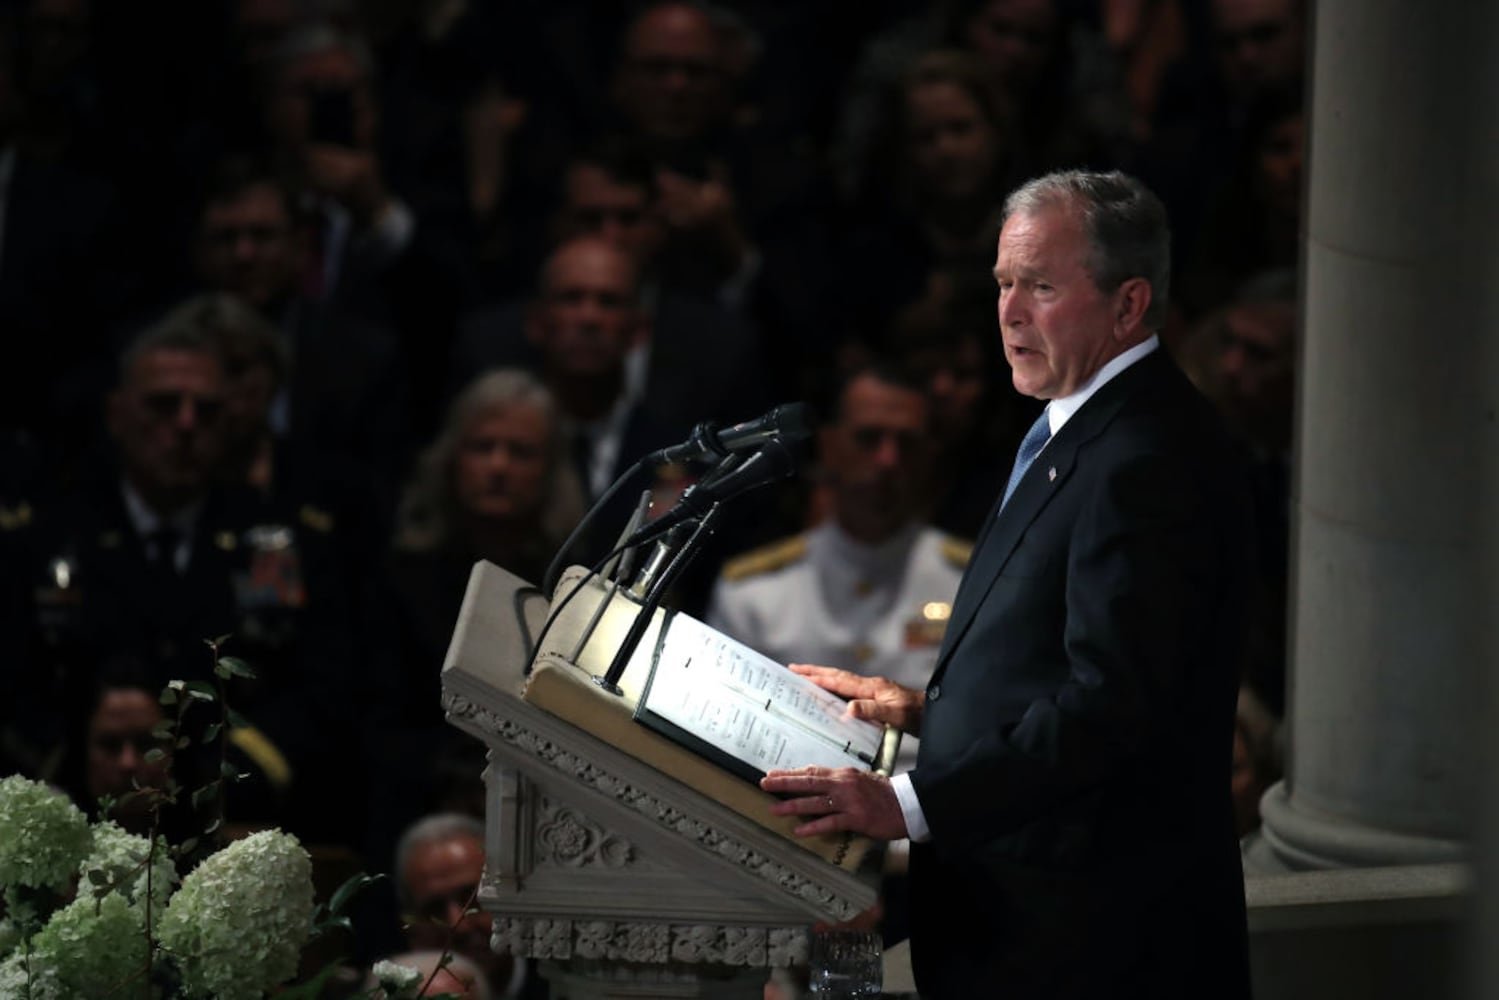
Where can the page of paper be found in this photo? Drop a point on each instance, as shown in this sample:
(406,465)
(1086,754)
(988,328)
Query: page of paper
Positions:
(751,706)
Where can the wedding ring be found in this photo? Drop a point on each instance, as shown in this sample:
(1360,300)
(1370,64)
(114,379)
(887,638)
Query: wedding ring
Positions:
(830,803)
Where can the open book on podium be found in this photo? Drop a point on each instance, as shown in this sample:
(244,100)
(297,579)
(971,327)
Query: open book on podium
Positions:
(700,707)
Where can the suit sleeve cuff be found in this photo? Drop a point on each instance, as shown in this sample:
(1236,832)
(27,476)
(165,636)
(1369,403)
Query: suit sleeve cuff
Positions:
(910,808)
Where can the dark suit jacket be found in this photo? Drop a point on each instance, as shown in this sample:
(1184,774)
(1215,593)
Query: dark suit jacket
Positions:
(1077,736)
(270,578)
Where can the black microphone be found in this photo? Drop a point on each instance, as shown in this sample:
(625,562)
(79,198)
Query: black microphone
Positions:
(789,422)
(773,461)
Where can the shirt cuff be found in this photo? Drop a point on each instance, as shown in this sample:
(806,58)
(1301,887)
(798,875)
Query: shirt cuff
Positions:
(910,808)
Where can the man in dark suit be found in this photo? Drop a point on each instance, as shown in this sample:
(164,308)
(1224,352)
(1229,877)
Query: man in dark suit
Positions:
(1069,809)
(141,564)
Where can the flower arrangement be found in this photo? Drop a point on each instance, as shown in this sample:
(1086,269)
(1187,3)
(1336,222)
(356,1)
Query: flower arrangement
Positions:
(93,911)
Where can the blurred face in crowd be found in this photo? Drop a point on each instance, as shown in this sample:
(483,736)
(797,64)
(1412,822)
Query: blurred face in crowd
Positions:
(587,316)
(1260,44)
(503,457)
(441,876)
(594,203)
(951,143)
(248,245)
(1278,163)
(956,382)
(877,457)
(119,734)
(1255,366)
(322,97)
(670,82)
(1058,326)
(165,419)
(1013,38)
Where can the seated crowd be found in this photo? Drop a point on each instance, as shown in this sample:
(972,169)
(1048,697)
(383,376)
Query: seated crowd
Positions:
(324,301)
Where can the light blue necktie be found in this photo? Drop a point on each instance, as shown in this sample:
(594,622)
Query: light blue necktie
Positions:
(1030,446)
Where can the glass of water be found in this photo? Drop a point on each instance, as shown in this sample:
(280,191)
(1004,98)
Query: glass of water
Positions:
(846,965)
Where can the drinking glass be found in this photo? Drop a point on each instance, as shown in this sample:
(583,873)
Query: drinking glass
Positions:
(846,965)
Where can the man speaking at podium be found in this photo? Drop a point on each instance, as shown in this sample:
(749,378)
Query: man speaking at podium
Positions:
(1069,810)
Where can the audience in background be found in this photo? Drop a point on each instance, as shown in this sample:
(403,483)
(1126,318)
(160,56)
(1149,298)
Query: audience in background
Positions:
(439,862)
(339,393)
(950,150)
(696,360)
(494,485)
(321,224)
(945,343)
(116,735)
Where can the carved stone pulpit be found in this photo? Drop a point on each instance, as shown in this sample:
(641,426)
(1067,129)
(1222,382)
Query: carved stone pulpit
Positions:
(628,865)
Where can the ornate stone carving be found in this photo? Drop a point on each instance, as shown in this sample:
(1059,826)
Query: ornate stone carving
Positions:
(623,941)
(566,838)
(786,946)
(589,773)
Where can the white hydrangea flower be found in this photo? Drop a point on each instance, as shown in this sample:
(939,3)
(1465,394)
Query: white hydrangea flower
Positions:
(394,978)
(237,925)
(13,982)
(119,854)
(89,947)
(43,836)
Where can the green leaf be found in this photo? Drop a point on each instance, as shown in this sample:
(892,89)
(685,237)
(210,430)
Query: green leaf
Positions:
(237,720)
(221,639)
(202,690)
(212,826)
(98,877)
(352,885)
(226,769)
(237,667)
(154,754)
(205,795)
(182,742)
(186,847)
(168,696)
(165,730)
(211,731)
(220,670)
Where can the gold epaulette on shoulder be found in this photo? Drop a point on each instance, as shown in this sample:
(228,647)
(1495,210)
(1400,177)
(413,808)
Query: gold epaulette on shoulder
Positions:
(766,558)
(956,551)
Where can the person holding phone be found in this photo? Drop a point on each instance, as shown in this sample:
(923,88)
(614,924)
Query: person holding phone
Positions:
(322,117)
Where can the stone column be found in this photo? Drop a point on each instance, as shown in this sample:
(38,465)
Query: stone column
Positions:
(1396,416)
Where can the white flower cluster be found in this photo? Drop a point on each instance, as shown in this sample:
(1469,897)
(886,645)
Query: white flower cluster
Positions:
(237,925)
(235,928)
(43,836)
(91,946)
(396,979)
(122,857)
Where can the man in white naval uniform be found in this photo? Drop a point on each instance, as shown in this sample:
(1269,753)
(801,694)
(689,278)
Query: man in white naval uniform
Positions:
(869,588)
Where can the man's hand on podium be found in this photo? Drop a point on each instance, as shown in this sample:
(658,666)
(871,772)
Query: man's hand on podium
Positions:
(843,799)
(873,699)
